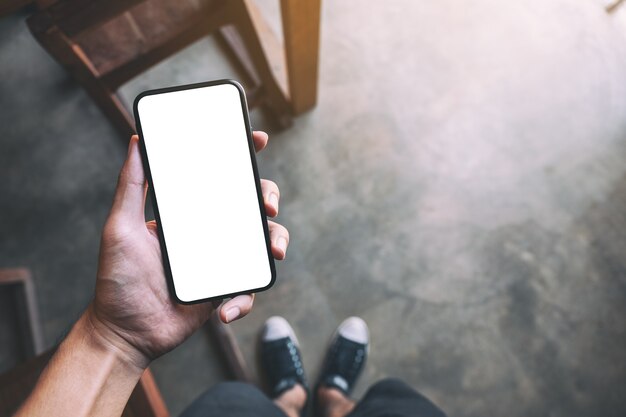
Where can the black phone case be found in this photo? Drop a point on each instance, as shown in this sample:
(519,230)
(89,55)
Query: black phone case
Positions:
(155,205)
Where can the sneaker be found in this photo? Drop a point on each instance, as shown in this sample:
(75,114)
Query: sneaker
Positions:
(346,356)
(281,360)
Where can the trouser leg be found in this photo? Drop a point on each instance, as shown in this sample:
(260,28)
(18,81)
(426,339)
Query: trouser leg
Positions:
(233,399)
(392,397)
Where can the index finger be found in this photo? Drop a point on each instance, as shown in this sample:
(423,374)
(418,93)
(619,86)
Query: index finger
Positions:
(260,139)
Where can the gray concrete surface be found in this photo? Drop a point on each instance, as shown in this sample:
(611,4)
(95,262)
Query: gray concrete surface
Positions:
(461,186)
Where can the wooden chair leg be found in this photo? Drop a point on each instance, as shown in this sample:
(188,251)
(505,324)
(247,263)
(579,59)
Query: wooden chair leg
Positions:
(146,399)
(108,101)
(71,56)
(112,107)
(613,7)
(225,339)
(301,28)
(267,57)
(28,314)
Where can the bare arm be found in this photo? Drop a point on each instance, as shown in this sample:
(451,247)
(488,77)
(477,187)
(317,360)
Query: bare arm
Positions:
(86,377)
(132,319)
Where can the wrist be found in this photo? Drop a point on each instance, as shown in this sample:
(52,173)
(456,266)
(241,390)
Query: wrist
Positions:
(107,338)
(89,375)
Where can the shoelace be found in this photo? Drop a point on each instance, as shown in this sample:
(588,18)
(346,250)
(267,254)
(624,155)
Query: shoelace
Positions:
(283,368)
(345,359)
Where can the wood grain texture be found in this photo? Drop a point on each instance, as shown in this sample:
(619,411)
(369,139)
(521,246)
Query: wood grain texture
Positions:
(301,28)
(10,6)
(104,44)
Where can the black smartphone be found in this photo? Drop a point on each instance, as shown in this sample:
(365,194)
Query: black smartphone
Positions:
(199,160)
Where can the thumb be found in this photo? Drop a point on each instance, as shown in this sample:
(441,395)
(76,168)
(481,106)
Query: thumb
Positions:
(130,196)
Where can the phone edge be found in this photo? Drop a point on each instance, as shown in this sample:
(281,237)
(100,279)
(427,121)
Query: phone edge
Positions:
(257,180)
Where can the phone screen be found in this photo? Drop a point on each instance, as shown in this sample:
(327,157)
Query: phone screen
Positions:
(199,158)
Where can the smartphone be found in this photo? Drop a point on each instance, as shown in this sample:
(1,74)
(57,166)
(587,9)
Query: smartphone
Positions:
(198,155)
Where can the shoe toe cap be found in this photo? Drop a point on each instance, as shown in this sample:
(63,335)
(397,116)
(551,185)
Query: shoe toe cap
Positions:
(354,329)
(277,327)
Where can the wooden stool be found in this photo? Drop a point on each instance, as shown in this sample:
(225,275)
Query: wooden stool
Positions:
(105,43)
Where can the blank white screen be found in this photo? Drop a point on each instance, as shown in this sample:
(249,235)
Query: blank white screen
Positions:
(205,190)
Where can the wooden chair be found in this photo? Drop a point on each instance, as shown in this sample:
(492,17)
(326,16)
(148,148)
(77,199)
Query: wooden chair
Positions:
(15,385)
(105,43)
(11,6)
(19,282)
(146,399)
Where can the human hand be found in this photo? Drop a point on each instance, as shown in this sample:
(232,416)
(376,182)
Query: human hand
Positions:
(133,309)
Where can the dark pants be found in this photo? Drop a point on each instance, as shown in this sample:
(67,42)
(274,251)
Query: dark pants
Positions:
(387,398)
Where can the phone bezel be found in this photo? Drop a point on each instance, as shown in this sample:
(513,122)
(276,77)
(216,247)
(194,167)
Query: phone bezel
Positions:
(155,205)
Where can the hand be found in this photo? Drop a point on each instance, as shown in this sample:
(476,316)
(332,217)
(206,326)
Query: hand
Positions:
(132,309)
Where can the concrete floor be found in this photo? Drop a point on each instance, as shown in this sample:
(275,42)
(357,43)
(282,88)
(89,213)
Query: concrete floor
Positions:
(461,186)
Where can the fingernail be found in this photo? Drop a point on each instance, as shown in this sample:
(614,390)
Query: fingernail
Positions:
(232,314)
(281,243)
(273,200)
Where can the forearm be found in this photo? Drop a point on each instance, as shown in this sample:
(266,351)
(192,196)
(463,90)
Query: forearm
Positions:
(87,376)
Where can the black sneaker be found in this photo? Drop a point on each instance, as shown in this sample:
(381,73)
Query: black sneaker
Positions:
(280,357)
(346,356)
